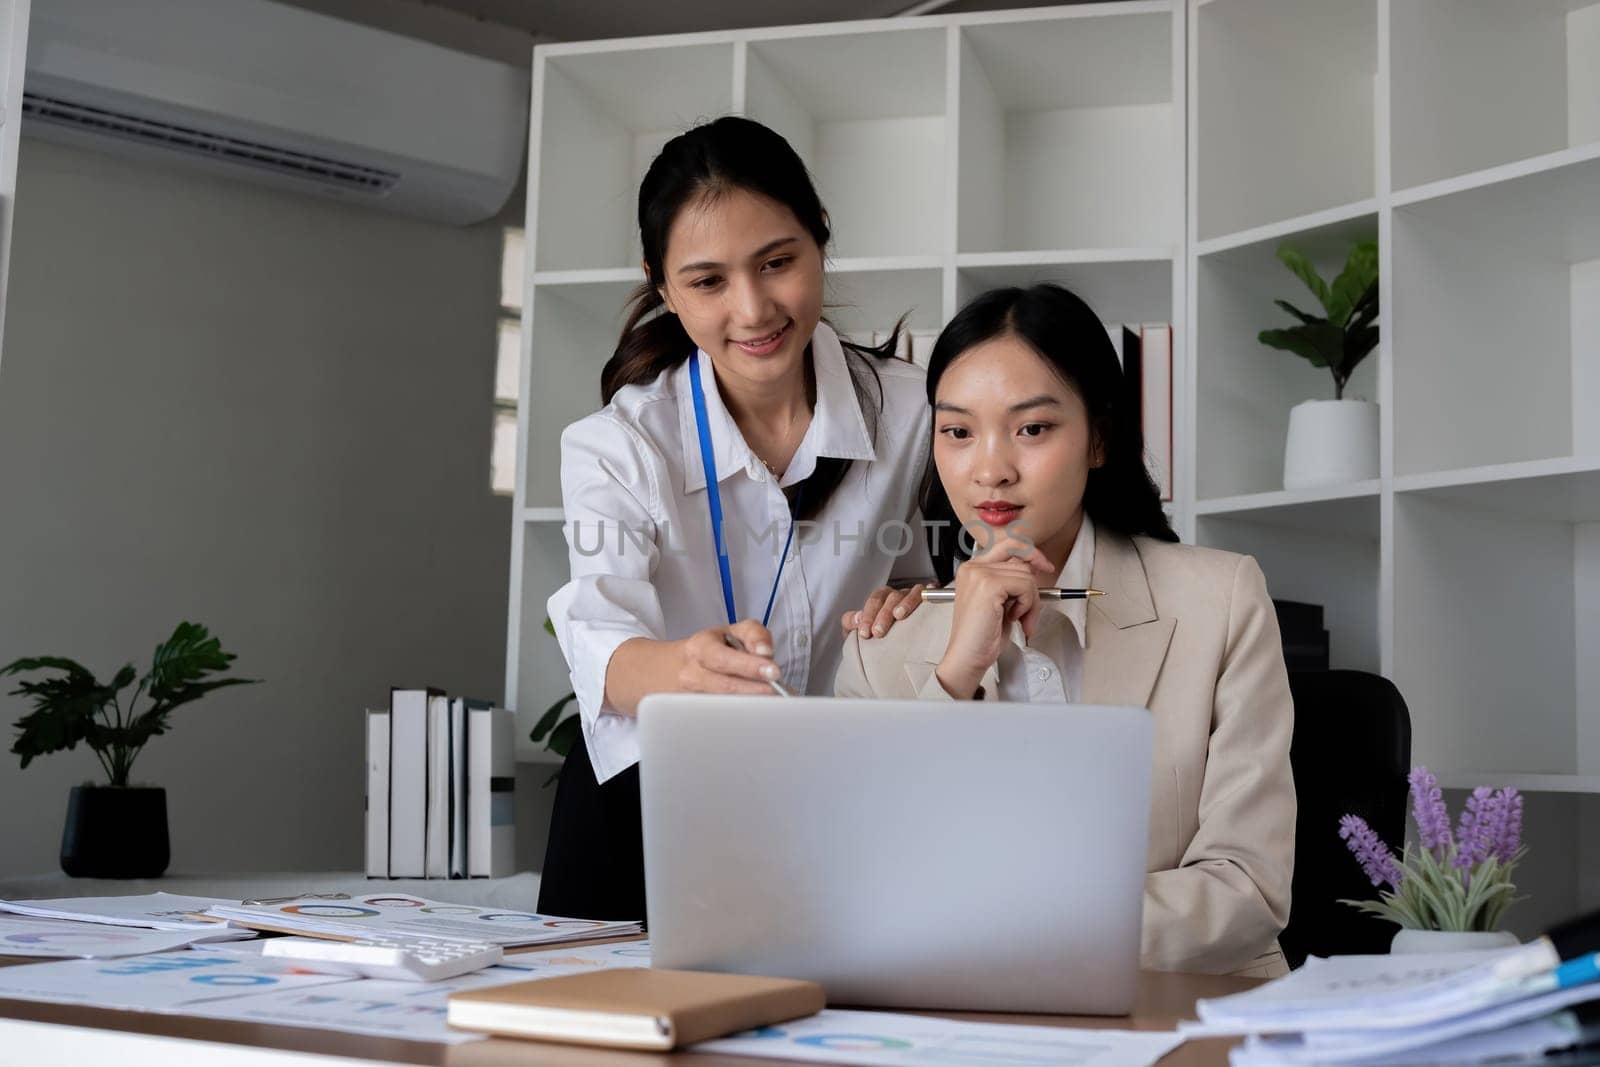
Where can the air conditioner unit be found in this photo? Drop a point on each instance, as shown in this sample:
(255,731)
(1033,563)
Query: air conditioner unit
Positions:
(281,96)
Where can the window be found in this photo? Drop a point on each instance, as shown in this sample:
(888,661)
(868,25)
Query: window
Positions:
(507,366)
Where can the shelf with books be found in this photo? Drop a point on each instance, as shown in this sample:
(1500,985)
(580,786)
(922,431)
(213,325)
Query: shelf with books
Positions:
(1323,553)
(866,111)
(1496,614)
(1482,270)
(1283,104)
(597,121)
(1485,84)
(1245,390)
(1085,101)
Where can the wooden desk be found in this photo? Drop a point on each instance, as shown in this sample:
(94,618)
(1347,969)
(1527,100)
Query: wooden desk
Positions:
(96,1035)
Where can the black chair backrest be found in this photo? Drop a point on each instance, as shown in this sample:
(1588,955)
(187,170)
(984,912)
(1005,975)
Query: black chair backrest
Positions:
(1351,754)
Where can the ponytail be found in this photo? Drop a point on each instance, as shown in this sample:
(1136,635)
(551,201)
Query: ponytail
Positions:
(650,343)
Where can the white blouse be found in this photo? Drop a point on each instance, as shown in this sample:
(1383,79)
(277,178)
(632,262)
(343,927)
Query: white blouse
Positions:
(1048,668)
(639,535)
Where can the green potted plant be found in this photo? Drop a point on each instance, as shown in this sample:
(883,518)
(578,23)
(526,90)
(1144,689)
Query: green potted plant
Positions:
(115,830)
(558,732)
(1332,441)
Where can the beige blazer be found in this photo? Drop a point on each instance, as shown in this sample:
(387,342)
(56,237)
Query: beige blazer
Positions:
(1191,634)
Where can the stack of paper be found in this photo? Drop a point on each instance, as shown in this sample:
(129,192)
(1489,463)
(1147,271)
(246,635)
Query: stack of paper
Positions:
(24,935)
(1405,1009)
(153,911)
(397,915)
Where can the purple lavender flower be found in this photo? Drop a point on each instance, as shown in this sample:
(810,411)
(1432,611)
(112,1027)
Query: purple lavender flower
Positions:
(1482,819)
(1508,837)
(1377,862)
(1427,807)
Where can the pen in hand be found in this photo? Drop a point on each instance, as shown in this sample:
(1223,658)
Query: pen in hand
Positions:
(738,646)
(948,596)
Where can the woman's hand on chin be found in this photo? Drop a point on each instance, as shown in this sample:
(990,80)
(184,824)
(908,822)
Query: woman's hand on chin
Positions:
(995,588)
(884,608)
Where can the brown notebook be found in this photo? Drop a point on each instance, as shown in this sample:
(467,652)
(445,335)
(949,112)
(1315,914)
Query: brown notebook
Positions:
(634,1007)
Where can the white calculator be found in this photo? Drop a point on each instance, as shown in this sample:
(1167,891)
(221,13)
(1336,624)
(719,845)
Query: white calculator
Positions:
(408,959)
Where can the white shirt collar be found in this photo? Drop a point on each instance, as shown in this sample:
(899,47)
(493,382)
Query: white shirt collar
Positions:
(1077,573)
(837,428)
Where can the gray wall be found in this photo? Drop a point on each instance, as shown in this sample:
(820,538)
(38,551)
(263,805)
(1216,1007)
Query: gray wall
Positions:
(269,414)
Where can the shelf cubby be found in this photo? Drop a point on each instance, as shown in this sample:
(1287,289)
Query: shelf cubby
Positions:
(602,119)
(1490,82)
(1496,319)
(1128,286)
(1243,389)
(866,111)
(861,300)
(1284,101)
(575,328)
(1324,552)
(1496,616)
(1082,103)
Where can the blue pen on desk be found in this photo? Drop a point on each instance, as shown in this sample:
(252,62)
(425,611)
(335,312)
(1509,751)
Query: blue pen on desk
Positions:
(1562,943)
(1581,971)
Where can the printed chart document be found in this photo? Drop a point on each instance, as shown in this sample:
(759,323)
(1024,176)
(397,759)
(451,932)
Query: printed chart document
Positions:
(163,982)
(410,1010)
(23,935)
(870,1037)
(400,915)
(414,1011)
(155,911)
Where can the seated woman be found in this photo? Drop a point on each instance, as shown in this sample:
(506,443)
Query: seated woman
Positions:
(1040,459)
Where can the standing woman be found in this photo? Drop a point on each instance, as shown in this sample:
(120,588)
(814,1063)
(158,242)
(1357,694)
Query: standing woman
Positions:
(730,407)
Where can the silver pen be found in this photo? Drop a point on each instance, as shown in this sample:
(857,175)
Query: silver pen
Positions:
(738,646)
(948,596)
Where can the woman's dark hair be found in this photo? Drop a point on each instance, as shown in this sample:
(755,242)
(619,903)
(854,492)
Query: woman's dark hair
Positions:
(1066,333)
(707,161)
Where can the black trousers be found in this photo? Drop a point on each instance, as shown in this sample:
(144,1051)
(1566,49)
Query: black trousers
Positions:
(594,861)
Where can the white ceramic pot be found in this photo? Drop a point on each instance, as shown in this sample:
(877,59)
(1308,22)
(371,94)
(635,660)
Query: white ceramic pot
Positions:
(1421,941)
(1331,442)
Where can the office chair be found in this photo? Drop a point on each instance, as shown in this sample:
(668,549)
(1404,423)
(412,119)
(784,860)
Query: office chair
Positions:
(1350,755)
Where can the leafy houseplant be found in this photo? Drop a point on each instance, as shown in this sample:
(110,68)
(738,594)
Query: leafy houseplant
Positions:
(1348,330)
(558,733)
(1457,883)
(1332,441)
(116,830)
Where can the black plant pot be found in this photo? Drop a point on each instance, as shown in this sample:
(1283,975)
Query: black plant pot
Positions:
(115,832)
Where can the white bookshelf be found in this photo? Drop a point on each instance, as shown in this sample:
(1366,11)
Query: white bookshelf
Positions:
(1465,138)
(13,51)
(953,153)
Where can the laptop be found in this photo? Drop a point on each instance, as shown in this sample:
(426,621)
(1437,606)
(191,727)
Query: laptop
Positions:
(978,857)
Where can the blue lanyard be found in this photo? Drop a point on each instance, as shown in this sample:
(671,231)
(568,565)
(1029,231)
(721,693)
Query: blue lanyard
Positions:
(714,501)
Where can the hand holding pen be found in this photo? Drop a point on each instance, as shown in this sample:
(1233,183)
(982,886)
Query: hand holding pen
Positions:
(771,677)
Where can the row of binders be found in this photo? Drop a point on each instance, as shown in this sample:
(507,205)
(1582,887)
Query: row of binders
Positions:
(1146,354)
(441,788)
